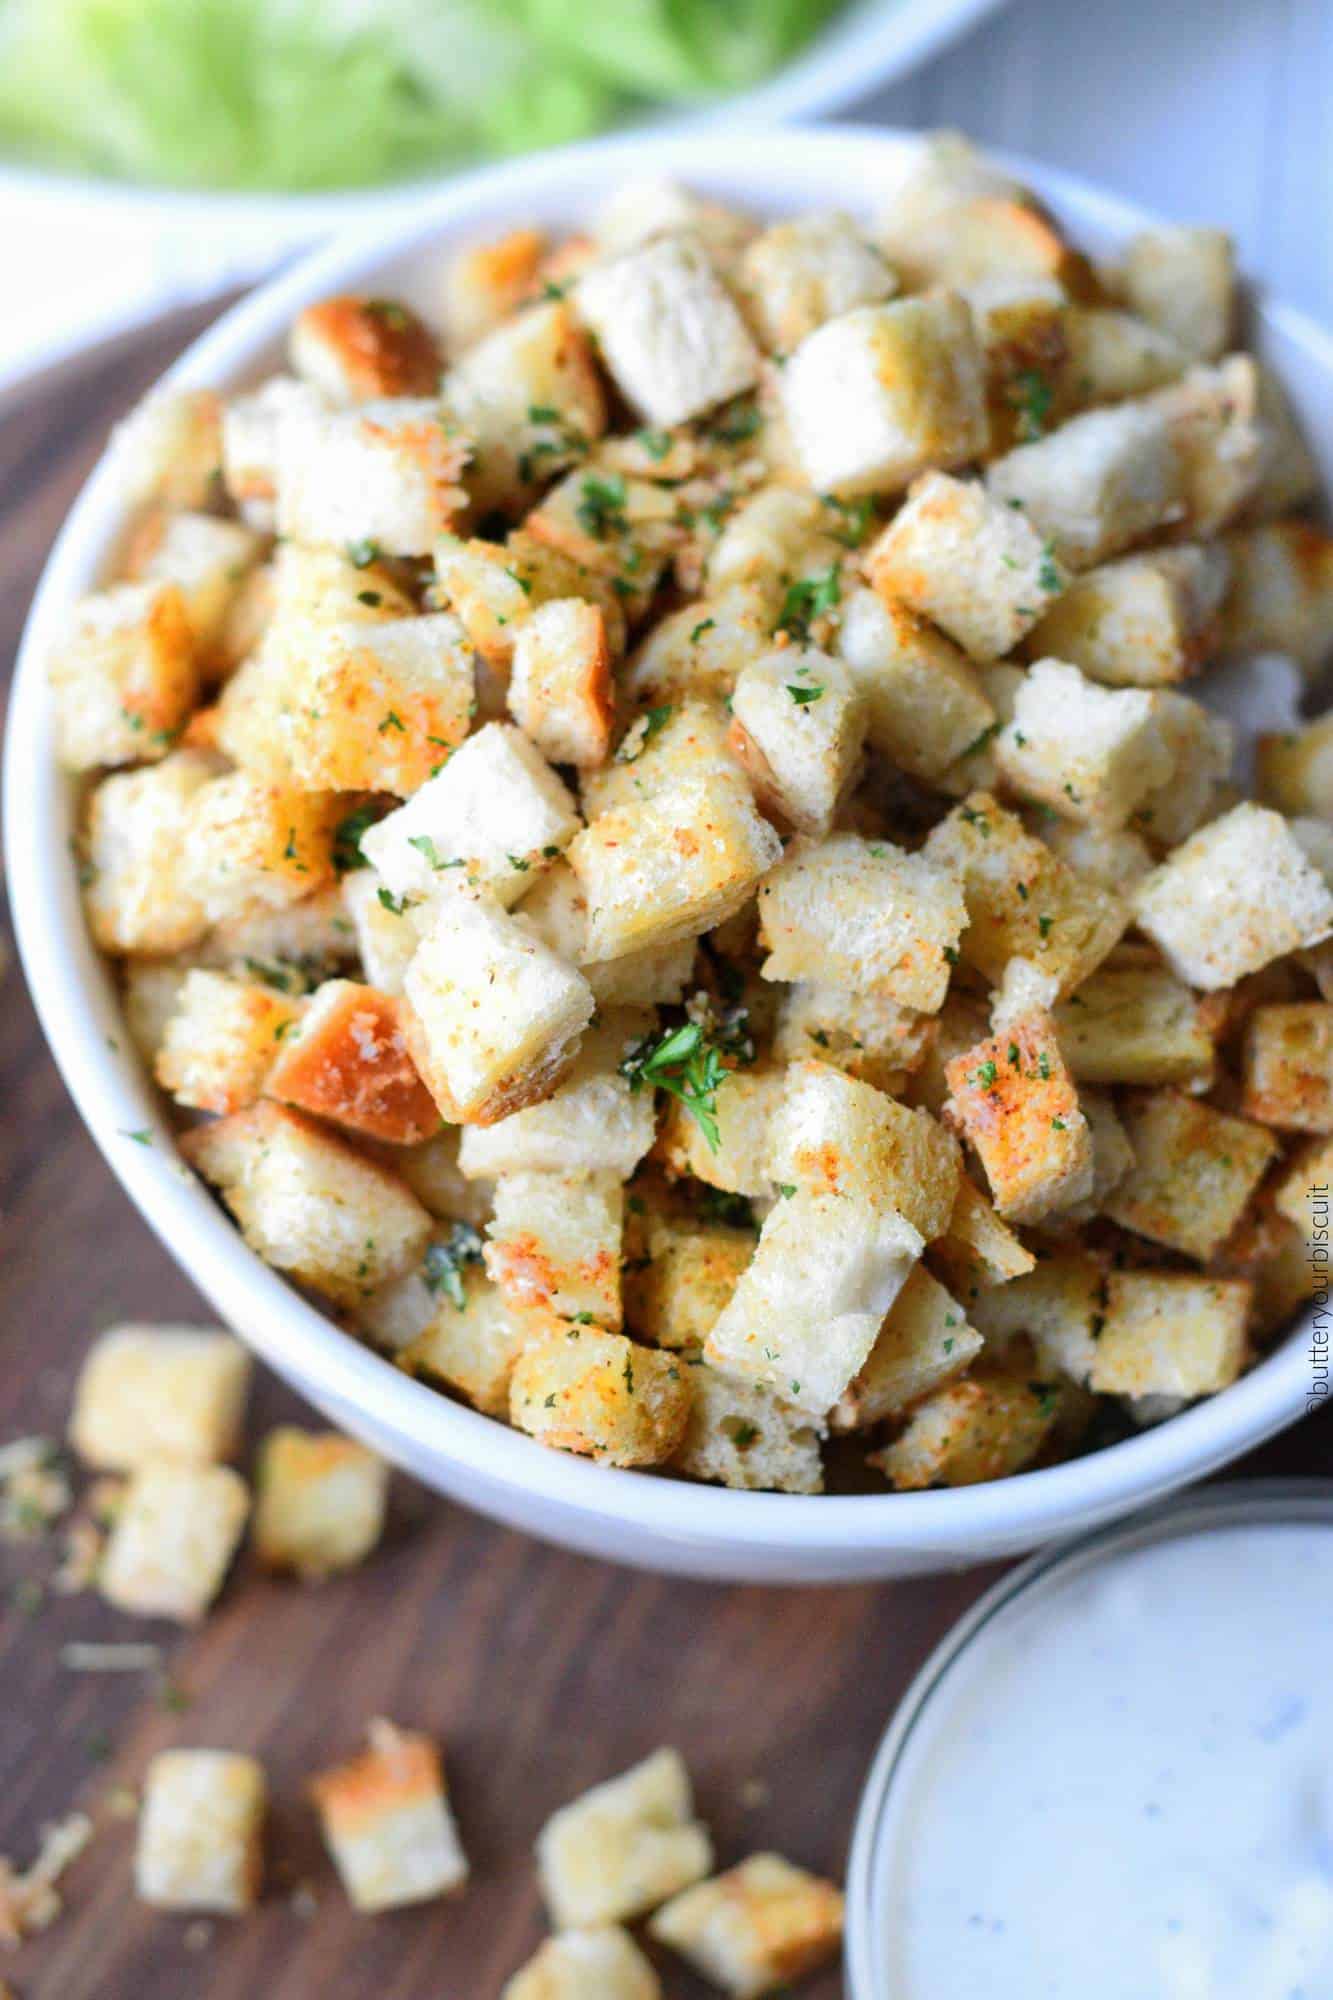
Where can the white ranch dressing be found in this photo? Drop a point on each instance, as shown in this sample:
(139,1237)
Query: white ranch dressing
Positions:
(1122,1788)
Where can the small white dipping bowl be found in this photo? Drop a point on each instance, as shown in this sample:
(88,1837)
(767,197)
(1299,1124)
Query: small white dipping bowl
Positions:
(637,1518)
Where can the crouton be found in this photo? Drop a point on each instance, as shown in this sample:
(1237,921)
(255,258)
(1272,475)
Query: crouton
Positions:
(221,1039)
(386,1821)
(602,1396)
(468,1348)
(384,475)
(978,1249)
(678,742)
(168,451)
(880,393)
(201,1832)
(592,1123)
(925,706)
(798,732)
(1117,859)
(1184,281)
(1194,1171)
(1170,1335)
(656,976)
(805,1314)
(1295,770)
(435,1178)
(1090,753)
(978,569)
(347,1061)
(1215,421)
(125,676)
(497,811)
(603,1960)
(308,1204)
(865,915)
(387,930)
(1137,1024)
(1202,749)
(774,538)
(864,1035)
(988,1426)
(679,1276)
(1022,901)
(1289,1066)
(623,1847)
(485,282)
(756,1928)
(494,590)
(1281,595)
(1097,485)
(249,842)
(698,651)
(834,1135)
(1146,621)
(554,1241)
(149,997)
(560,691)
(290,949)
(1309,1173)
(671,866)
(1238,894)
(1111,355)
(207,560)
(1059,1306)
(139,891)
(742,1436)
(924,1342)
(159,1392)
(319,1502)
(798,274)
(249,444)
(493,1018)
(670,335)
(357,350)
(747,1102)
(529,399)
(175,1532)
(1013,1099)
(643,208)
(619,530)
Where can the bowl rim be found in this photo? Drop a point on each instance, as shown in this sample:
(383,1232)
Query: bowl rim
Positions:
(71,985)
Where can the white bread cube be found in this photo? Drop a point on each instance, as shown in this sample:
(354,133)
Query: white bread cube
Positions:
(1137,1024)
(678,1274)
(603,1961)
(804,1316)
(1289,1066)
(957,210)
(796,275)
(1170,1335)
(672,866)
(347,1061)
(175,1532)
(387,931)
(356,350)
(647,206)
(1238,894)
(483,283)
(774,537)
(978,1250)
(201,1832)
(676,742)
(619,530)
(623,1847)
(924,701)
(529,398)
(494,590)
(924,1342)
(833,1135)
(125,676)
(386,1821)
(384,474)
(493,1017)
(1116,860)
(206,559)
(864,1035)
(798,731)
(1216,421)
(249,842)
(668,331)
(1282,592)
(249,445)
(1145,621)
(1013,1099)
(221,1039)
(740,1435)
(1059,1307)
(698,651)
(319,1502)
(1202,747)
(379,708)
(308,1204)
(471,1349)
(1184,281)
(497,807)
(139,893)
(1111,355)
(577,1388)
(988,1426)
(747,1103)
(1195,1170)
(1092,754)
(1096,485)
(554,1241)
(656,976)
(756,1928)
(592,1123)
(982,571)
(560,688)
(149,996)
(159,1392)
(168,450)
(435,1178)
(1295,770)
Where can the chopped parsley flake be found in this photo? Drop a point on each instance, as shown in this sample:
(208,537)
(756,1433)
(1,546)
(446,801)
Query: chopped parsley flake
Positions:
(683,1062)
(443,1265)
(807,599)
(601,507)
(347,834)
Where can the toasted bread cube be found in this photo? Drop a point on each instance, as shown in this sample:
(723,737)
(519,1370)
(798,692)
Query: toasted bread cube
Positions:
(1022,901)
(175,1532)
(1092,754)
(924,1342)
(1096,485)
(560,691)
(1112,1154)
(618,530)
(988,1426)
(493,598)
(697,652)
(1013,1099)
(384,474)
(834,1135)
(676,743)
(497,808)
(773,538)
(168,451)
(290,949)
(1171,1335)
(528,396)
(1111,355)
(755,1928)
(1145,621)
(1289,1066)
(159,1392)
(798,731)
(681,1275)
(249,842)
(1117,860)
(675,865)
(668,331)
(380,708)
(1202,749)
(956,209)
(1059,1307)
(493,1016)
(485,282)
(1282,592)
(865,915)
(140,895)
(650,206)
(206,559)
(623,1847)
(470,1349)
(308,1204)
(435,1178)
(249,444)
(977,568)
(592,1123)
(1137,1024)
(1237,895)
(356,350)
(1184,281)
(125,676)
(387,931)
(977,1249)
(740,1435)
(1194,1171)
(221,1039)
(348,1062)
(201,1832)
(602,1396)
(864,1035)
(657,976)
(386,1821)
(150,995)
(798,274)
(319,1502)
(1310,1173)
(575,1965)
(1216,422)
(805,1315)
(925,705)
(1295,770)
(554,1241)
(747,1103)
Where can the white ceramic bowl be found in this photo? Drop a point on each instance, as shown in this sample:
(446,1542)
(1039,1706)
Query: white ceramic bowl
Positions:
(629,1517)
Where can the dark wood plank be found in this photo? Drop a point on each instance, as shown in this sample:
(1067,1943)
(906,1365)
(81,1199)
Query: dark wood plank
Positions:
(541,1672)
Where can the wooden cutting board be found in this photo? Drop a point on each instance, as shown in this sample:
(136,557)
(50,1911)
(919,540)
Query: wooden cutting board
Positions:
(540,1672)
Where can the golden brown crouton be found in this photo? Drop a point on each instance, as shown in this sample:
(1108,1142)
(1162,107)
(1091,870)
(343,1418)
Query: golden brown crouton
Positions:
(348,1062)
(385,1816)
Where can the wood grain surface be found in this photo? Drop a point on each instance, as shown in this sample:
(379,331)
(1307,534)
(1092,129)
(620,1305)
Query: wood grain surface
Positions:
(540,1672)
